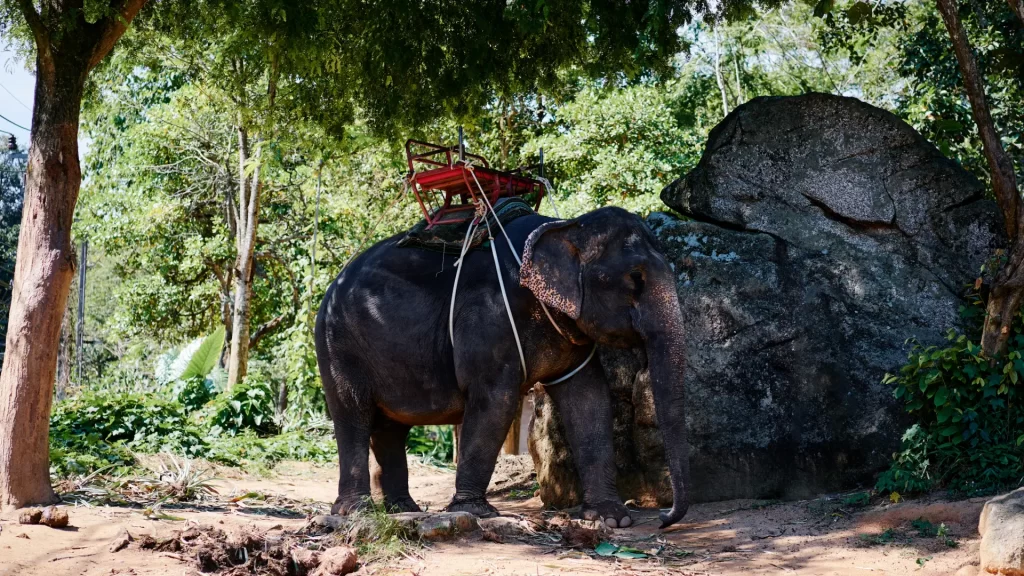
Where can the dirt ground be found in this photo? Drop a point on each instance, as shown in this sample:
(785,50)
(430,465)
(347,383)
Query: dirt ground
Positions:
(814,537)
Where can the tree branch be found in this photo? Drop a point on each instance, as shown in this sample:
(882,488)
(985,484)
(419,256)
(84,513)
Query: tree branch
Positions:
(1017,6)
(276,322)
(1004,180)
(112,27)
(39,32)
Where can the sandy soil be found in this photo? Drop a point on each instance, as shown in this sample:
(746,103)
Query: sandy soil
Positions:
(816,537)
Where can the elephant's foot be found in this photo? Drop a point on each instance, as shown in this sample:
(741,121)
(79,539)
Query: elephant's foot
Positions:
(612,512)
(347,505)
(403,504)
(477,506)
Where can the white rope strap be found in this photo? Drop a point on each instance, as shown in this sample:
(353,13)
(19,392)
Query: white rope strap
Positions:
(501,283)
(504,297)
(550,193)
(458,270)
(512,248)
(573,373)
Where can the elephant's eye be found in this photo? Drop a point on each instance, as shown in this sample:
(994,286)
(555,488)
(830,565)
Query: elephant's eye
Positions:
(637,278)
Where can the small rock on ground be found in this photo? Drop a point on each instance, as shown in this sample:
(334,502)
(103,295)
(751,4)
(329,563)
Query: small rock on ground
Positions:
(54,517)
(30,516)
(121,541)
(433,527)
(305,559)
(337,561)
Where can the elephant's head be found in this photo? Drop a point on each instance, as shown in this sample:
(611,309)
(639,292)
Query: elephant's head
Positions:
(604,270)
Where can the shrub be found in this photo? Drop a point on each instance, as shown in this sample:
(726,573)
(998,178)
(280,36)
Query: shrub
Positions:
(247,448)
(435,444)
(195,393)
(249,405)
(969,422)
(91,431)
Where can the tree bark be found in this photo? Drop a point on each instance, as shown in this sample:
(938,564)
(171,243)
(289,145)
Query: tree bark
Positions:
(67,48)
(42,280)
(245,244)
(1017,6)
(718,74)
(511,445)
(1007,288)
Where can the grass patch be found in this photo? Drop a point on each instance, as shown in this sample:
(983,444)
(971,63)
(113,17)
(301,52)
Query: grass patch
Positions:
(377,536)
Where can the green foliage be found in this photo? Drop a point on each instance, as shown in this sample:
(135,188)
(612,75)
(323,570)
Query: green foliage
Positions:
(969,421)
(618,147)
(11,192)
(249,405)
(248,449)
(434,444)
(926,529)
(195,393)
(196,360)
(92,431)
(96,431)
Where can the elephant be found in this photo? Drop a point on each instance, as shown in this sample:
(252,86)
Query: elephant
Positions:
(389,359)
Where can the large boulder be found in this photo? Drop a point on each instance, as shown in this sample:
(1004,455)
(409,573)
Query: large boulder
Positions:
(1002,535)
(822,234)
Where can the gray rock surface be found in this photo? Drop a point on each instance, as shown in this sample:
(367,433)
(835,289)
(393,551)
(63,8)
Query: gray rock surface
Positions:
(1002,535)
(822,234)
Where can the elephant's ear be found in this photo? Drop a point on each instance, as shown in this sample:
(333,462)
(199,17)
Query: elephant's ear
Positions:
(552,267)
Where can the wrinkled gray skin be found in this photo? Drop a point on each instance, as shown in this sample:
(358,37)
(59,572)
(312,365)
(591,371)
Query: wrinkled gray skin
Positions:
(387,362)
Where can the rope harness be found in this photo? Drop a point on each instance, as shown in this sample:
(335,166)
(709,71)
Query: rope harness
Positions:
(474,224)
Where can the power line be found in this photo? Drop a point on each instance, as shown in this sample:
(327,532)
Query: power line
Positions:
(15,123)
(16,99)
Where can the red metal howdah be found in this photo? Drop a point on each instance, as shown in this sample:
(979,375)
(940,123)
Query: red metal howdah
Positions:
(438,176)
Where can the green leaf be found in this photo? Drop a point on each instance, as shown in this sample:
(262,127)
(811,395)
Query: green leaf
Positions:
(858,12)
(941,395)
(606,549)
(198,358)
(823,7)
(949,126)
(630,553)
(949,430)
(944,414)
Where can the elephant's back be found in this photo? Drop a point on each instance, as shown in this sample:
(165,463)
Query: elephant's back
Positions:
(388,301)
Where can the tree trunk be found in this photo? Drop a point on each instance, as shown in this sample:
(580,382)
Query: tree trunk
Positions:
(718,74)
(42,279)
(1008,282)
(739,86)
(67,48)
(511,445)
(245,244)
(1018,8)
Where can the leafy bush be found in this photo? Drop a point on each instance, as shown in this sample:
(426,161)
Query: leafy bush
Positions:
(195,393)
(247,406)
(969,419)
(247,448)
(91,431)
(435,444)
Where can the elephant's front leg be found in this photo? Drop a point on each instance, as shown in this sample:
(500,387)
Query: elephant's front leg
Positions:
(584,403)
(490,409)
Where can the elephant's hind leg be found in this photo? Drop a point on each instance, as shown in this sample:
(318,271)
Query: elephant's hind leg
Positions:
(350,406)
(488,416)
(388,444)
(354,466)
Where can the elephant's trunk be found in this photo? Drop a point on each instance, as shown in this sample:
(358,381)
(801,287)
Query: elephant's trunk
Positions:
(660,325)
